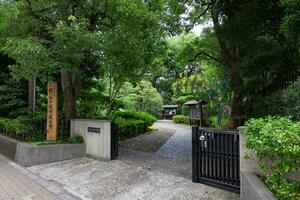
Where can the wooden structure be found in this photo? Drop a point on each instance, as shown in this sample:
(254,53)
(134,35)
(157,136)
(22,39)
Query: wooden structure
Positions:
(52,114)
(170,111)
(195,110)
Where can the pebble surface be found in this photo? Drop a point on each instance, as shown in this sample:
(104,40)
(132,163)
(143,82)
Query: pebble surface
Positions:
(178,146)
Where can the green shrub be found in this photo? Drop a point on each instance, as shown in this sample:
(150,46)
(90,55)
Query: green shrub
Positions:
(225,122)
(129,128)
(181,119)
(25,127)
(75,139)
(144,116)
(276,142)
(131,124)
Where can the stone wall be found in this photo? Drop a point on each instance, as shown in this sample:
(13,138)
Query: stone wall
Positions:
(32,154)
(97,136)
(252,188)
(27,154)
(8,147)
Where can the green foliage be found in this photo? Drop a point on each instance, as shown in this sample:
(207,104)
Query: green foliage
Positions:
(276,142)
(291,21)
(181,119)
(261,106)
(283,102)
(129,128)
(13,94)
(291,100)
(131,124)
(31,56)
(226,122)
(25,127)
(118,40)
(142,97)
(91,104)
(144,116)
(75,139)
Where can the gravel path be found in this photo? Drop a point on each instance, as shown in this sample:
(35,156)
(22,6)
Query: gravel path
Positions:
(179,145)
(150,142)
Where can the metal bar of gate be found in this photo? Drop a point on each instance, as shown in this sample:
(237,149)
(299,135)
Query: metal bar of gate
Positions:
(195,164)
(216,157)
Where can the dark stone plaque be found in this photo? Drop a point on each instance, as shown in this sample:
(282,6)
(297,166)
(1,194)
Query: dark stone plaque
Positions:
(94,130)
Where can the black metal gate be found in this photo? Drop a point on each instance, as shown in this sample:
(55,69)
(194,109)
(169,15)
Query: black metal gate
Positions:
(216,157)
(114,151)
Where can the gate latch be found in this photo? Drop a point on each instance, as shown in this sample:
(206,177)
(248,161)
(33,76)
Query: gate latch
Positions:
(202,137)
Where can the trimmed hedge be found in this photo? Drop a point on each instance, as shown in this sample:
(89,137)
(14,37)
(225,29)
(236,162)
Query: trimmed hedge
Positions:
(144,116)
(131,124)
(181,119)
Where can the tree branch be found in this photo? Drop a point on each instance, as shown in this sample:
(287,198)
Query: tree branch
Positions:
(207,55)
(194,21)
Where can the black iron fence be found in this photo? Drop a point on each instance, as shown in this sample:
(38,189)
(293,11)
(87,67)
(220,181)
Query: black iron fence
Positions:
(216,157)
(278,85)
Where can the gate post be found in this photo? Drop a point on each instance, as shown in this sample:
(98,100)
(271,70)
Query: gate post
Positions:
(195,157)
(114,151)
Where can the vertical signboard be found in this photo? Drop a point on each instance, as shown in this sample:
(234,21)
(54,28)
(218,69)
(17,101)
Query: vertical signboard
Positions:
(52,114)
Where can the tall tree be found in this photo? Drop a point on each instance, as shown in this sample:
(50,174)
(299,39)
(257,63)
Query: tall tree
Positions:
(76,38)
(251,45)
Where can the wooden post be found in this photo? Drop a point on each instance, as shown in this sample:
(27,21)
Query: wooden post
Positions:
(52,114)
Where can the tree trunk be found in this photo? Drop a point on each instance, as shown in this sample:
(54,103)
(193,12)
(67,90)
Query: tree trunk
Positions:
(31,94)
(230,57)
(236,83)
(71,84)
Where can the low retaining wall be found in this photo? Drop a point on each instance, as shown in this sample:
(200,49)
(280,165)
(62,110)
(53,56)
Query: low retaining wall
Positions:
(8,147)
(27,154)
(253,188)
(32,154)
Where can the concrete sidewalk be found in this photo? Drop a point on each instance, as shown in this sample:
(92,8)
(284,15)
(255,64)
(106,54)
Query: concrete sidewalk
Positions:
(17,183)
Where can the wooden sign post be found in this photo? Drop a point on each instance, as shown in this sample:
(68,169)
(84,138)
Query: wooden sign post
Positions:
(52,114)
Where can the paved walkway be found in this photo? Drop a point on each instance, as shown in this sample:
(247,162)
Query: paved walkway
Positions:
(162,172)
(140,173)
(117,180)
(14,185)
